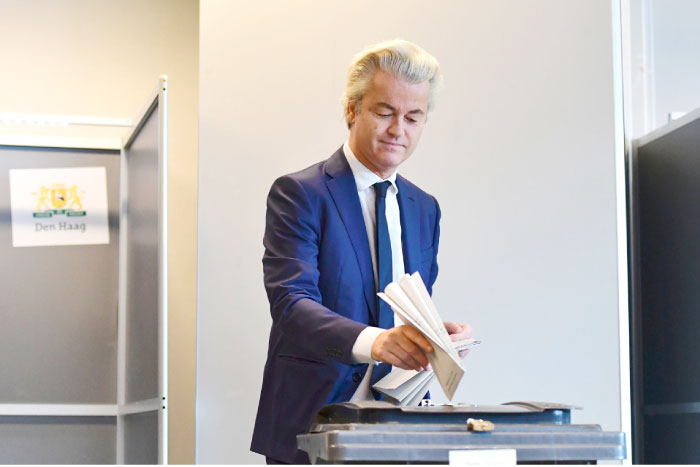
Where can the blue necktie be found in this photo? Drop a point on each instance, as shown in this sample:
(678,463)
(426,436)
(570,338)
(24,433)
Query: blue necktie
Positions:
(384,268)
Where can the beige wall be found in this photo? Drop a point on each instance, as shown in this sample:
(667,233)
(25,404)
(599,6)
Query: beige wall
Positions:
(103,58)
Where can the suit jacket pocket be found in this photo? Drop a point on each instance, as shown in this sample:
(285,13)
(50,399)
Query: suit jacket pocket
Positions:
(299,360)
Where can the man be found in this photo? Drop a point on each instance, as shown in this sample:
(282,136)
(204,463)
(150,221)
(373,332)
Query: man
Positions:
(338,232)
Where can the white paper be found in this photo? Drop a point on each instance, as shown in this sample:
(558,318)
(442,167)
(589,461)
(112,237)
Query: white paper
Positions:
(395,378)
(409,286)
(465,344)
(417,395)
(63,206)
(407,387)
(448,370)
(449,373)
(483,457)
(443,360)
(403,302)
(402,388)
(363,391)
(423,292)
(407,318)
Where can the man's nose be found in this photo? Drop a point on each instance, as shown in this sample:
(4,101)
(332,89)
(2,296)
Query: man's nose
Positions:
(396,127)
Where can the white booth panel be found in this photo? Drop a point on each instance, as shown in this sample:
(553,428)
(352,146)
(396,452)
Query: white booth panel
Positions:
(141,440)
(142,258)
(57,440)
(58,304)
(142,375)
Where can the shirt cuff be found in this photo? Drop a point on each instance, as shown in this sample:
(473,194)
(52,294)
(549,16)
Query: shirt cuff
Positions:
(362,349)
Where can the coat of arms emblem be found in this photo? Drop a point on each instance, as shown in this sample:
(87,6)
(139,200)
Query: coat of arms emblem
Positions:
(59,199)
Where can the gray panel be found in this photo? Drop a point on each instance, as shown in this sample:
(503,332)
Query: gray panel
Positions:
(142,263)
(141,438)
(669,202)
(672,439)
(58,305)
(666,344)
(57,440)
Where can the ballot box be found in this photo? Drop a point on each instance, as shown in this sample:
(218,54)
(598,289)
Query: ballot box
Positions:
(376,432)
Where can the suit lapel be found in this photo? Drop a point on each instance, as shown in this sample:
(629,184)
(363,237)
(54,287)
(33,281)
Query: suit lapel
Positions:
(342,188)
(409,226)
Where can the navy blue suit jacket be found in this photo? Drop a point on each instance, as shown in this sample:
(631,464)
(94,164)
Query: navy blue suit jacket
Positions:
(320,283)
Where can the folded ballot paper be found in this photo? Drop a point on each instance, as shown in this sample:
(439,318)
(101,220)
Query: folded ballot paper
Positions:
(410,300)
(406,388)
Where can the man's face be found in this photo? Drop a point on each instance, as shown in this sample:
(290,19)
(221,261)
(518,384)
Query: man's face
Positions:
(387,126)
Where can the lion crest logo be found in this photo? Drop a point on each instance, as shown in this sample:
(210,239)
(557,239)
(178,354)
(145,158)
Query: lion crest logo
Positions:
(59,199)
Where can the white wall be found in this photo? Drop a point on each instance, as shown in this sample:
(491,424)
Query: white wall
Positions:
(519,152)
(103,58)
(662,69)
(676,57)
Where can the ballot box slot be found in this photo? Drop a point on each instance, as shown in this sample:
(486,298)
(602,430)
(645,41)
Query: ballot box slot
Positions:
(437,427)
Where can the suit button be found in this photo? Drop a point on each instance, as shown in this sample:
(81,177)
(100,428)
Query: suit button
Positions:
(356,377)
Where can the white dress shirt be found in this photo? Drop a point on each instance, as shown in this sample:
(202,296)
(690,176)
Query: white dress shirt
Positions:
(365,179)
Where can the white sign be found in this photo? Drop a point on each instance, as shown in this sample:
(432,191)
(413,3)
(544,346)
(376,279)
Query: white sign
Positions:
(59,206)
(483,457)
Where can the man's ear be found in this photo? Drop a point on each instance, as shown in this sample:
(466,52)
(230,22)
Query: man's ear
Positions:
(350,113)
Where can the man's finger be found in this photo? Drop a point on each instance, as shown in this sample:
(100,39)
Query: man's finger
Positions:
(407,352)
(419,339)
(466,329)
(458,331)
(392,360)
(401,354)
(402,360)
(413,351)
(385,355)
(452,328)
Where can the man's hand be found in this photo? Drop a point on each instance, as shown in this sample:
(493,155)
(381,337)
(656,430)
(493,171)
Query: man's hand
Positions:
(457,332)
(403,347)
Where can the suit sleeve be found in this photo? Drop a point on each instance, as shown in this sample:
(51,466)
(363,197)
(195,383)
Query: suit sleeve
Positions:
(436,242)
(291,274)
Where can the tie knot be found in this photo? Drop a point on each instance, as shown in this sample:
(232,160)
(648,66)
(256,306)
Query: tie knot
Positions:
(380,188)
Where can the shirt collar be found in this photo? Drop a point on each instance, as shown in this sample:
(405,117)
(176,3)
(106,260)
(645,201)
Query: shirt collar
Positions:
(365,178)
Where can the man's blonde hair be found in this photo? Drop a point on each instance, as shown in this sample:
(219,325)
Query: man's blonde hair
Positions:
(399,57)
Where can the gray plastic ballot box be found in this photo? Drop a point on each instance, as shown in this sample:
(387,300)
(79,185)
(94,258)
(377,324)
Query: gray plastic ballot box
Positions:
(379,432)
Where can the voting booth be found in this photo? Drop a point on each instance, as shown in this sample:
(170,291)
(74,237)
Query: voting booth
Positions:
(83,292)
